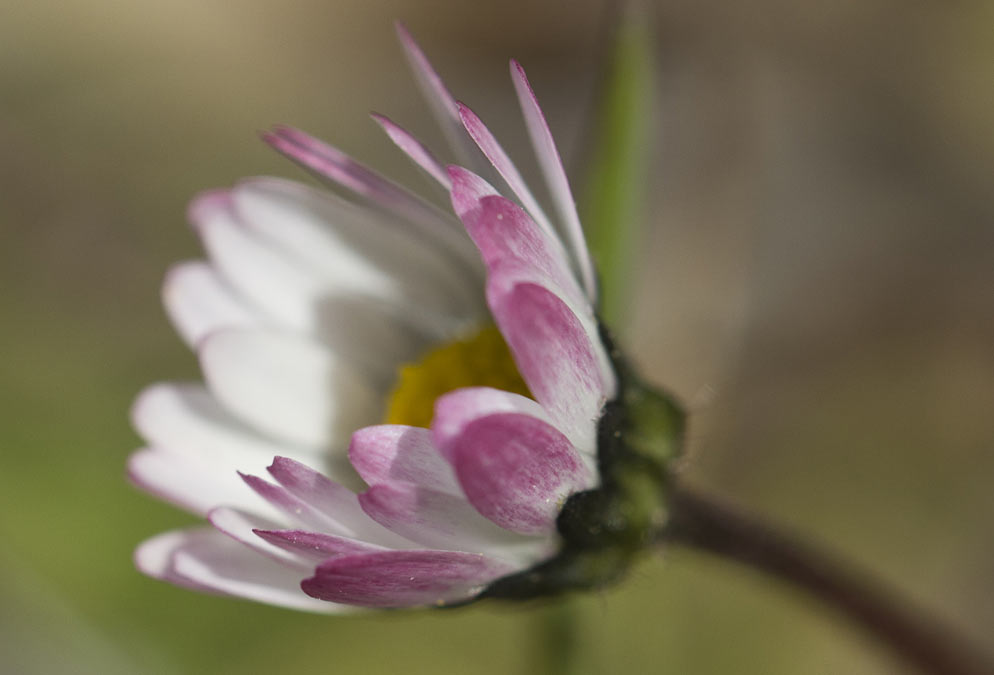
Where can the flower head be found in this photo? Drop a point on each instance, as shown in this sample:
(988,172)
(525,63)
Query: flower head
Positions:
(316,319)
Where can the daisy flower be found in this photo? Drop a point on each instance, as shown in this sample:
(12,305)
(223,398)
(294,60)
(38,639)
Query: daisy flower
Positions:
(398,400)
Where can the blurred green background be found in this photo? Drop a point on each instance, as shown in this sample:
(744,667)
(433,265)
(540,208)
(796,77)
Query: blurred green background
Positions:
(817,284)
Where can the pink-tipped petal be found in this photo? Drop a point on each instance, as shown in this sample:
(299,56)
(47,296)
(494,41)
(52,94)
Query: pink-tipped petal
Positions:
(414,149)
(334,165)
(390,453)
(241,525)
(457,409)
(350,521)
(438,520)
(335,502)
(403,578)
(325,495)
(437,95)
(467,190)
(506,235)
(518,470)
(562,362)
(206,560)
(316,546)
(485,140)
(555,177)
(294,509)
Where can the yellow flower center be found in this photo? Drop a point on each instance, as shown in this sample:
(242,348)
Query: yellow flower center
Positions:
(481,360)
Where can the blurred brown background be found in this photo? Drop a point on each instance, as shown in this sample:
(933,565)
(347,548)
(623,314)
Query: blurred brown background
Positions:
(818,285)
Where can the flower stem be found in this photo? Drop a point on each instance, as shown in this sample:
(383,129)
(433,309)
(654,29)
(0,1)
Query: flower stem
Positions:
(699,523)
(559,639)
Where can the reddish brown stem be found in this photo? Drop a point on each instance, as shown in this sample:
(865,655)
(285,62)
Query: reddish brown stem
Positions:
(702,524)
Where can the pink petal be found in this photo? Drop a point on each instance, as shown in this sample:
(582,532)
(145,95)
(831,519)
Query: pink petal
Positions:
(437,519)
(333,164)
(333,501)
(297,510)
(403,578)
(456,410)
(414,149)
(313,488)
(389,453)
(555,176)
(516,469)
(316,546)
(485,140)
(503,232)
(467,190)
(565,368)
(438,97)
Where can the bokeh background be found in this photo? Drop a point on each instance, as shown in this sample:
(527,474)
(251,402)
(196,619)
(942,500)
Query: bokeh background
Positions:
(817,284)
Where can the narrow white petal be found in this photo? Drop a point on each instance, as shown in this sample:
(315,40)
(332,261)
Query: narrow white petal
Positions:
(488,144)
(438,97)
(555,176)
(414,149)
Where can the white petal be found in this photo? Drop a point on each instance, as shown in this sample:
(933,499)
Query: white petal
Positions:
(350,249)
(384,195)
(207,560)
(198,302)
(186,419)
(192,483)
(285,264)
(267,280)
(288,386)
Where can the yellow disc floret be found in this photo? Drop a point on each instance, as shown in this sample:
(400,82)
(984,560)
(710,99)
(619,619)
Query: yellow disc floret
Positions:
(480,360)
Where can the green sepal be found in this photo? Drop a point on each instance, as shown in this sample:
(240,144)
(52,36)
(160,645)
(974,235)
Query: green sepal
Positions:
(606,529)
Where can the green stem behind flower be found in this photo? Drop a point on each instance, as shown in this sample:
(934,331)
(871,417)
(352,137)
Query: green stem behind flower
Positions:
(560,638)
(702,524)
(613,198)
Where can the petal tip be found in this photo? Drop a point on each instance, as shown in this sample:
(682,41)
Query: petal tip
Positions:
(206,204)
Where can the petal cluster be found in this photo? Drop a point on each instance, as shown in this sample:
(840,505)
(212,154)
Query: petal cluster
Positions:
(307,305)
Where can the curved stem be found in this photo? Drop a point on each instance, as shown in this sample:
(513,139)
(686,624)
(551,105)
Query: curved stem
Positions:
(700,523)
